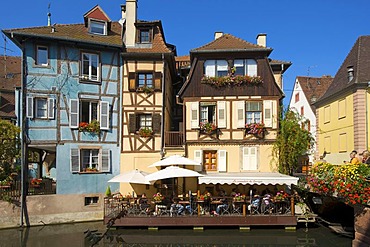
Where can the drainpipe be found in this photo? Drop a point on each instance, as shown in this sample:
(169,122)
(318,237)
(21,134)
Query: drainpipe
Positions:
(163,106)
(24,163)
(366,117)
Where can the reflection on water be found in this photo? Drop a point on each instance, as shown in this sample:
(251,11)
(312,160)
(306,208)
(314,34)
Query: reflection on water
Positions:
(73,235)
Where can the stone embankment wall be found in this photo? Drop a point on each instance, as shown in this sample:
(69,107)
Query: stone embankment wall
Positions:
(51,209)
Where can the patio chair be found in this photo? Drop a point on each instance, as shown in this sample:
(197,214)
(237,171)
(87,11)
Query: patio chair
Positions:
(255,206)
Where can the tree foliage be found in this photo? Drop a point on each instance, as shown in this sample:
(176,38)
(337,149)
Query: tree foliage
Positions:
(9,147)
(291,143)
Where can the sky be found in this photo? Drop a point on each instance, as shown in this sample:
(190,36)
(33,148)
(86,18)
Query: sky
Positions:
(315,35)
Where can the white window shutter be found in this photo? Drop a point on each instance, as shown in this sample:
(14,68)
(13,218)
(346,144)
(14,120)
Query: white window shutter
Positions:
(221,108)
(245,151)
(198,157)
(222,161)
(104,115)
(253,158)
(75,160)
(29,108)
(73,113)
(194,115)
(267,113)
(105,160)
(240,114)
(250,158)
(251,67)
(274,114)
(51,108)
(210,68)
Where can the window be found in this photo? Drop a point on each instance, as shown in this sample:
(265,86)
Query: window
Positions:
(216,68)
(342,108)
(90,67)
(296,97)
(144,36)
(211,160)
(145,121)
(245,67)
(90,160)
(343,142)
(89,111)
(253,112)
(42,56)
(98,27)
(249,161)
(91,200)
(327,114)
(208,112)
(40,107)
(145,80)
(302,110)
(86,111)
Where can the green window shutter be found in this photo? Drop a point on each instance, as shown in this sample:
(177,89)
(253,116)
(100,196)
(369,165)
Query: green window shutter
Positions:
(132,123)
(156,123)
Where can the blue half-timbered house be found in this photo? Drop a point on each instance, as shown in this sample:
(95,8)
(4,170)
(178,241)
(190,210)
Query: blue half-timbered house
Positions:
(72,84)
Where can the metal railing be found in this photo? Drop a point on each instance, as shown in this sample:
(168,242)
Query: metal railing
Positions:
(174,139)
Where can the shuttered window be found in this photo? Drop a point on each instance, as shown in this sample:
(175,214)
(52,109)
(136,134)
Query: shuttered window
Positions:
(222,161)
(73,113)
(249,155)
(90,160)
(194,115)
(145,120)
(40,107)
(221,116)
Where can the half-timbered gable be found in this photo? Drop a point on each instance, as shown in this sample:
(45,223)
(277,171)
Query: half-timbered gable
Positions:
(231,103)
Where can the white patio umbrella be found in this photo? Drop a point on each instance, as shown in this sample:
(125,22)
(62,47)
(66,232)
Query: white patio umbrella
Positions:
(172,172)
(134,176)
(175,160)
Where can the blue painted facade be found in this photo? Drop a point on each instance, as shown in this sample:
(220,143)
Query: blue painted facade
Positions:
(72,81)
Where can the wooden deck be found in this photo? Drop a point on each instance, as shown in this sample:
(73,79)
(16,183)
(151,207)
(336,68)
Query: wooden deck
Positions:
(126,214)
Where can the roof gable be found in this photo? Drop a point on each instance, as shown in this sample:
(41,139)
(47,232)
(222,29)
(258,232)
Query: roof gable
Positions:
(228,42)
(96,13)
(313,87)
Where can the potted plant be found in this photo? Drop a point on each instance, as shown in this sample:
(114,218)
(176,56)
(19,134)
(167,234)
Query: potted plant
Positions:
(92,127)
(256,129)
(145,132)
(207,127)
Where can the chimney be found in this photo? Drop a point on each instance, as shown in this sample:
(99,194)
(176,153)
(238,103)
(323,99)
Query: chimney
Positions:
(49,19)
(261,39)
(130,13)
(218,35)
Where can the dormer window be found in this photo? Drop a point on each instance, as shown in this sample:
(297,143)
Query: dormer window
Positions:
(144,35)
(350,73)
(98,27)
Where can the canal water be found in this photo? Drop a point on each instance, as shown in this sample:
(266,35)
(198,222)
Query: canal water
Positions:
(70,235)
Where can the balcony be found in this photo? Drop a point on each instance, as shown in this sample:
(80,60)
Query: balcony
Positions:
(174,138)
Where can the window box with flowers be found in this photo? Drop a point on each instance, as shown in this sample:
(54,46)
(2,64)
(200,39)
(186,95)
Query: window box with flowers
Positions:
(90,169)
(36,182)
(146,132)
(206,128)
(231,80)
(239,197)
(145,89)
(281,196)
(92,127)
(256,129)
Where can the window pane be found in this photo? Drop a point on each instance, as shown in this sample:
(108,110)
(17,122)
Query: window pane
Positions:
(145,79)
(221,73)
(42,55)
(85,111)
(149,80)
(94,111)
(145,121)
(97,27)
(144,36)
(41,108)
(239,71)
(94,66)
(204,114)
(90,69)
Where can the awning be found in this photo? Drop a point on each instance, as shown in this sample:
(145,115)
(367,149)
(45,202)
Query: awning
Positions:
(248,178)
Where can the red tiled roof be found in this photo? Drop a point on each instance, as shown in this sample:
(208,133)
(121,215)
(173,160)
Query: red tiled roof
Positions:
(7,104)
(314,87)
(229,42)
(10,73)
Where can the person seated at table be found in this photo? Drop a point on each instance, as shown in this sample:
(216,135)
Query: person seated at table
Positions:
(143,202)
(176,208)
(267,202)
(234,192)
(223,206)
